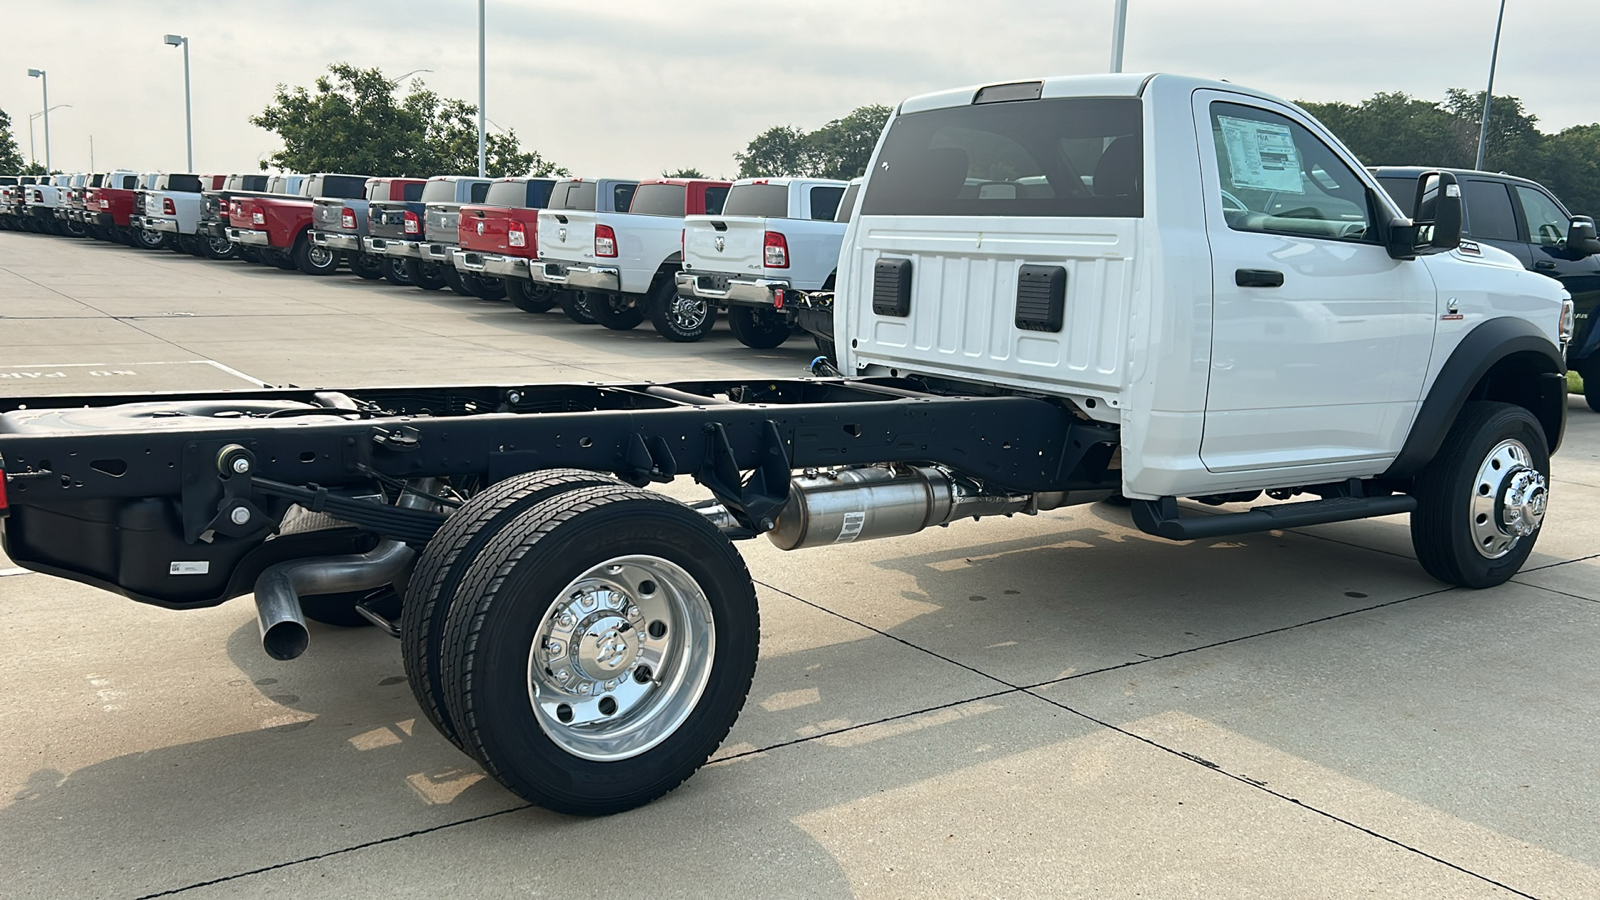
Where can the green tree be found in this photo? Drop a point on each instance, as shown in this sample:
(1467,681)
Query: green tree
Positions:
(10,154)
(1571,167)
(353,122)
(1394,129)
(840,149)
(1514,138)
(684,173)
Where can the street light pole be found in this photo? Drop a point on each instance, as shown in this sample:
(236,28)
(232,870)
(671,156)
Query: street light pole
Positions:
(1119,30)
(483,155)
(44,85)
(1488,93)
(175,40)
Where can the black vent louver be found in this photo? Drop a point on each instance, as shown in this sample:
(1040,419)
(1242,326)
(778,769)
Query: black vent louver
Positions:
(1041,298)
(891,287)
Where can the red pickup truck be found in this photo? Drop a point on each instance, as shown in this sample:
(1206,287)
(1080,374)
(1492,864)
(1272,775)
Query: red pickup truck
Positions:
(110,205)
(279,225)
(499,238)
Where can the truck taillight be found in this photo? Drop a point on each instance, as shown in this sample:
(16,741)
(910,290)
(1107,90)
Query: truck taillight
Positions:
(257,217)
(605,241)
(38,196)
(167,208)
(413,224)
(105,204)
(516,234)
(776,253)
(347,219)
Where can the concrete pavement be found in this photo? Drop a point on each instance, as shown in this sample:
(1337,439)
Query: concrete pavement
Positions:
(1047,706)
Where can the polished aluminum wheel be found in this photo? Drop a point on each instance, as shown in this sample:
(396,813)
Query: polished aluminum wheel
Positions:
(320,257)
(621,658)
(1508,499)
(689,313)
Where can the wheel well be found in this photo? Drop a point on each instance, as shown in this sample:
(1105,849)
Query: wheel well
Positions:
(1521,379)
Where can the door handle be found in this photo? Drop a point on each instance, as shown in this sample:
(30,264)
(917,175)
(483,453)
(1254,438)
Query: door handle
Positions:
(1258,278)
(1544,264)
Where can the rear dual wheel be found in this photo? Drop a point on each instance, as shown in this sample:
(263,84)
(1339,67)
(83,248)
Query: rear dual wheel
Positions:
(452,277)
(599,648)
(576,305)
(220,248)
(757,328)
(430,276)
(365,265)
(618,312)
(484,287)
(153,240)
(682,320)
(530,297)
(314,259)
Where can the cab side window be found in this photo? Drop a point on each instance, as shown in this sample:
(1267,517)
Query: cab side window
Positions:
(1279,178)
(1547,223)
(1488,211)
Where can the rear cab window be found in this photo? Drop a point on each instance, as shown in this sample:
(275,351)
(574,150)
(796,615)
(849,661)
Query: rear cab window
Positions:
(768,201)
(660,200)
(478,192)
(622,196)
(716,198)
(378,190)
(1067,157)
(825,202)
(506,193)
(848,204)
(412,193)
(438,192)
(575,195)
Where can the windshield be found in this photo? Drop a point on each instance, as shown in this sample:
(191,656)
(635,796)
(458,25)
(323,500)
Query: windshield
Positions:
(1066,157)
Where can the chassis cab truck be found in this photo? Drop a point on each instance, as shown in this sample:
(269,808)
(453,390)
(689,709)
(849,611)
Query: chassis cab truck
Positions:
(1050,292)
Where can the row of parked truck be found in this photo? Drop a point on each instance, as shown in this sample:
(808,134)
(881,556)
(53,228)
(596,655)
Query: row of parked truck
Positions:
(678,252)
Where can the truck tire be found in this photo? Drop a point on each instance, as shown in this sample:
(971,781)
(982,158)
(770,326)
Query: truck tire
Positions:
(221,248)
(530,297)
(367,267)
(452,277)
(314,260)
(826,347)
(192,245)
(74,228)
(444,562)
(576,305)
(283,259)
(663,614)
(252,255)
(1589,371)
(1481,500)
(758,329)
(484,287)
(682,320)
(152,240)
(609,310)
(395,271)
(429,276)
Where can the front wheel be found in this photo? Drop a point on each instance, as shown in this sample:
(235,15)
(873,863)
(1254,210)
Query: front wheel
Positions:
(314,259)
(528,296)
(1589,371)
(757,328)
(1481,500)
(615,311)
(682,320)
(599,653)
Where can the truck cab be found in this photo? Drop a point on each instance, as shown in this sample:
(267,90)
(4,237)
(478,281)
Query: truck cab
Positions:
(773,235)
(625,260)
(1525,219)
(341,223)
(171,211)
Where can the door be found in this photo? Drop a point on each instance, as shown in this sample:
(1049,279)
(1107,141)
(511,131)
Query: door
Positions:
(1320,341)
(1548,224)
(1489,218)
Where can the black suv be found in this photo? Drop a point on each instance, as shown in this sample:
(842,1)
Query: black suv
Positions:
(1524,219)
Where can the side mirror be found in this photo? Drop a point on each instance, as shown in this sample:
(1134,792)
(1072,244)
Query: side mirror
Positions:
(1582,239)
(1435,223)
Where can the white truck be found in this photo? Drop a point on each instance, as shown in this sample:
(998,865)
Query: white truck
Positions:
(171,213)
(559,237)
(625,261)
(1052,292)
(45,200)
(774,235)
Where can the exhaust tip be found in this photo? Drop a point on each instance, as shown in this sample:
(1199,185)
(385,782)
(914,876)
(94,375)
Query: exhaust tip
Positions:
(286,640)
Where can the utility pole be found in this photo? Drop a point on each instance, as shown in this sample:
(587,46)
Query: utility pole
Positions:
(483,146)
(1119,30)
(91,153)
(1488,93)
(176,40)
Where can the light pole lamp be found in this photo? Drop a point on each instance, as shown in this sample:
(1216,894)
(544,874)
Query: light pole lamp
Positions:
(44,85)
(395,82)
(31,118)
(178,40)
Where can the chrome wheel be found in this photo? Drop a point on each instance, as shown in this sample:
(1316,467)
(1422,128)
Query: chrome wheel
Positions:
(320,257)
(220,246)
(1508,499)
(689,313)
(621,658)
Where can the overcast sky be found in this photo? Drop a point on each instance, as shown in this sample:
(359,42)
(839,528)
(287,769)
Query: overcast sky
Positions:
(630,87)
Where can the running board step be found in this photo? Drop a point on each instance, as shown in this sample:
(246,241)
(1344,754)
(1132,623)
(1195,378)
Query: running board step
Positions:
(1162,519)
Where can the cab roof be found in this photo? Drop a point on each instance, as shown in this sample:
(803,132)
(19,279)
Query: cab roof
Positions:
(1114,85)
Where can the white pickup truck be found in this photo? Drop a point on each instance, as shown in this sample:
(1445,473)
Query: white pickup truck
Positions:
(773,235)
(625,260)
(171,213)
(565,237)
(1051,292)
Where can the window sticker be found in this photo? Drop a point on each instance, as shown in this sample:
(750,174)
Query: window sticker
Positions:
(1262,155)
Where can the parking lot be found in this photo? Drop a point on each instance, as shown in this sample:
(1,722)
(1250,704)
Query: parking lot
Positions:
(1042,706)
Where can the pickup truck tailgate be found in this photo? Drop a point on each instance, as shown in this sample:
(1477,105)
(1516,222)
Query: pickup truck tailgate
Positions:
(731,245)
(325,214)
(567,234)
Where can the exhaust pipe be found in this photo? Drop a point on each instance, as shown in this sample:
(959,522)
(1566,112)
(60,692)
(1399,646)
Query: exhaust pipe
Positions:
(278,590)
(848,505)
(283,625)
